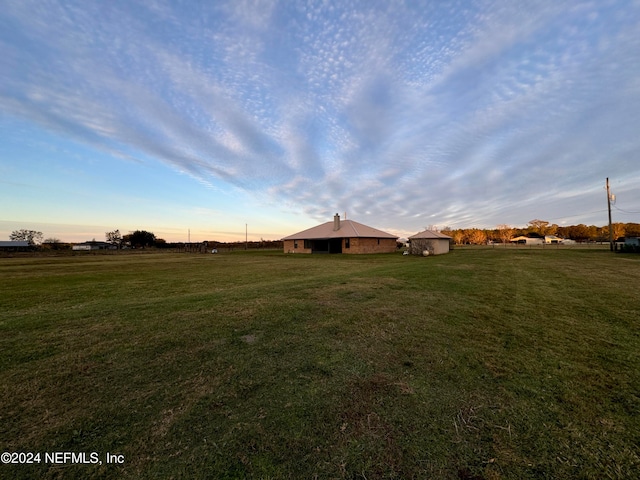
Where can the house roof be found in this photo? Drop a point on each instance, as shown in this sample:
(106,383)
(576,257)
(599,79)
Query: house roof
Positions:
(429,234)
(348,228)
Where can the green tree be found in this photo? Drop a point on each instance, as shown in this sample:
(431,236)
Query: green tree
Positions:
(32,236)
(141,238)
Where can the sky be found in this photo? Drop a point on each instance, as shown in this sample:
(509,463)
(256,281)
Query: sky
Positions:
(216,120)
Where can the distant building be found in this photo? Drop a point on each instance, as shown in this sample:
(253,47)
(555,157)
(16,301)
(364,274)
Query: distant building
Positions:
(340,236)
(632,241)
(527,240)
(14,246)
(93,245)
(545,240)
(552,239)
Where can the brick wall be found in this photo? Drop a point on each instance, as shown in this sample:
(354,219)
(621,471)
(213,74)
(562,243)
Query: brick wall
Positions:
(289,247)
(370,245)
(356,245)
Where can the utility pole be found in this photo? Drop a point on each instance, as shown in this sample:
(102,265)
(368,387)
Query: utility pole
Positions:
(609,208)
(246,238)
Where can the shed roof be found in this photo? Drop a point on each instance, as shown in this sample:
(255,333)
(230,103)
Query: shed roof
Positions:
(430,234)
(348,228)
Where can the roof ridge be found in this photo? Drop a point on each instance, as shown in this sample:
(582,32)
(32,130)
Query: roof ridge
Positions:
(429,234)
(325,230)
(354,227)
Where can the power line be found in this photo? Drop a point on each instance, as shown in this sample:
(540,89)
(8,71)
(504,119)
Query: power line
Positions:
(624,211)
(578,215)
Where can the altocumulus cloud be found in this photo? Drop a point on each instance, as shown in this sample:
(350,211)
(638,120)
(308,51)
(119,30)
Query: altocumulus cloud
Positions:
(461,113)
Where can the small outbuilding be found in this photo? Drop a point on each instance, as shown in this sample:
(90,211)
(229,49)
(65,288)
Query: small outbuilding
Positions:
(632,241)
(340,236)
(435,243)
(552,239)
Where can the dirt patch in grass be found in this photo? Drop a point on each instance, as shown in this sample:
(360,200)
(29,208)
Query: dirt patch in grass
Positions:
(249,338)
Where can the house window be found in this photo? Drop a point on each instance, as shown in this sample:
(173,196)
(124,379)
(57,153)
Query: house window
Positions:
(295,244)
(307,244)
(378,241)
(346,243)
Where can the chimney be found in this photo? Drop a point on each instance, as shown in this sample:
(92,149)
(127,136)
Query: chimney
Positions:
(336,222)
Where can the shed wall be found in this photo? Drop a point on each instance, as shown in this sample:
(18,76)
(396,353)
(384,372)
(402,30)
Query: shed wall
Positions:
(435,246)
(440,246)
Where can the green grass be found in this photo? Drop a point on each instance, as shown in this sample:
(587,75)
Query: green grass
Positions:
(481,364)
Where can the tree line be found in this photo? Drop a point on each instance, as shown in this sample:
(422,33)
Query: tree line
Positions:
(136,239)
(475,236)
(143,239)
(539,228)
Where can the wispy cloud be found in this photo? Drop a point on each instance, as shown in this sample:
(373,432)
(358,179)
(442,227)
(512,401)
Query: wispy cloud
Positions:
(473,113)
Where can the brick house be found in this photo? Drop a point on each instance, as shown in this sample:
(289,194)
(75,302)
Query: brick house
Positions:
(340,236)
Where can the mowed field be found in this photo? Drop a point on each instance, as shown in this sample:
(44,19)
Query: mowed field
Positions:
(487,363)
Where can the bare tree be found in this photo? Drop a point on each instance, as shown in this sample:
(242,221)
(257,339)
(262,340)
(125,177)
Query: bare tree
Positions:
(418,246)
(114,237)
(32,236)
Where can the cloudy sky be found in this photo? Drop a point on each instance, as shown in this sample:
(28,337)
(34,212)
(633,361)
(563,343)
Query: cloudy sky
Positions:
(217,118)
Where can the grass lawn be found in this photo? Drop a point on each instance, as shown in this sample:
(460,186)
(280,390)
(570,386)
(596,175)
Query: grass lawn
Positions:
(482,364)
